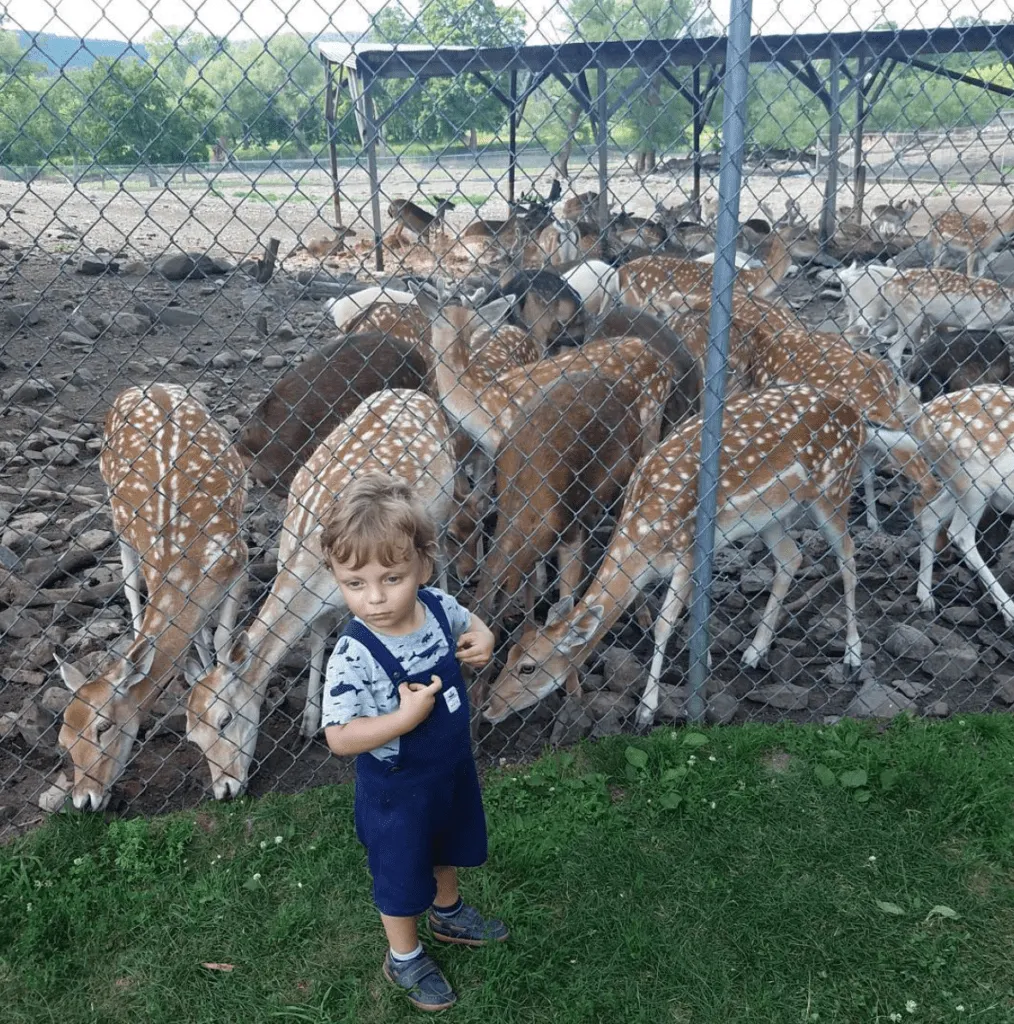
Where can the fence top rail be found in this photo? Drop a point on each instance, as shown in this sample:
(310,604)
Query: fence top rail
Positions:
(404,60)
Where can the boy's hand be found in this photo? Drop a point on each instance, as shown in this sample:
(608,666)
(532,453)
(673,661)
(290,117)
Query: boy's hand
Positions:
(417,701)
(475,648)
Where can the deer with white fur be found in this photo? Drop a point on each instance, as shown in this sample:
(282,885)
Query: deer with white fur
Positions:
(968,438)
(913,297)
(485,405)
(177,490)
(782,449)
(976,236)
(399,432)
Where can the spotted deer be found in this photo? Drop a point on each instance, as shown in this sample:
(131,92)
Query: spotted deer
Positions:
(782,449)
(485,405)
(399,432)
(661,283)
(976,236)
(405,322)
(948,299)
(177,490)
(968,438)
(417,220)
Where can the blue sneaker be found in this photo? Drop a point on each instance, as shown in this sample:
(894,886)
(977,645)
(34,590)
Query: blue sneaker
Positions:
(467,928)
(423,982)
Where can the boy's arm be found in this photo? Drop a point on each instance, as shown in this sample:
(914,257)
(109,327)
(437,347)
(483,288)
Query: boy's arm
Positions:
(362,734)
(475,645)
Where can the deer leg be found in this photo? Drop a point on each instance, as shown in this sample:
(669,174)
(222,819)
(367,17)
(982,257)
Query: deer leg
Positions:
(312,709)
(228,614)
(962,533)
(930,519)
(131,562)
(672,606)
(833,523)
(571,557)
(869,472)
(788,558)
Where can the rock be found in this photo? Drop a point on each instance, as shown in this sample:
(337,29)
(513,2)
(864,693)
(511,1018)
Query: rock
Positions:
(940,709)
(785,666)
(19,625)
(721,708)
(251,355)
(194,266)
(127,325)
(756,580)
(55,699)
(273,362)
(23,676)
(134,267)
(189,359)
(34,723)
(8,724)
(1005,690)
(19,314)
(56,796)
(672,702)
(573,722)
(611,712)
(953,664)
(95,268)
(96,540)
(961,615)
(910,689)
(77,340)
(62,454)
(174,317)
(285,332)
(874,700)
(41,652)
(28,390)
(786,696)
(224,360)
(905,641)
(624,672)
(81,325)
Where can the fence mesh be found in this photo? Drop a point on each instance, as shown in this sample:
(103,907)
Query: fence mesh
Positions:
(468,245)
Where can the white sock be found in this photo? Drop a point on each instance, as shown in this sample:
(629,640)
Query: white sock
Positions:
(400,958)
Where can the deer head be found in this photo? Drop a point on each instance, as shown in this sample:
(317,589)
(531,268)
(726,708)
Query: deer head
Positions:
(101,723)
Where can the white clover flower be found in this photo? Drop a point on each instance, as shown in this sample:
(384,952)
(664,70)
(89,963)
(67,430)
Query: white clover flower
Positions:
(712,804)
(910,1006)
(257,876)
(959,1008)
(894,1016)
(278,839)
(78,861)
(711,757)
(264,844)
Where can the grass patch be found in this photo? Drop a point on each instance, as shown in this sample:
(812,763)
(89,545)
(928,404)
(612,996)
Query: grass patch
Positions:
(755,874)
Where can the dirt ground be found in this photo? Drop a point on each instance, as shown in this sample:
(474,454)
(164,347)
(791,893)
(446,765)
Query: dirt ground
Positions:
(56,390)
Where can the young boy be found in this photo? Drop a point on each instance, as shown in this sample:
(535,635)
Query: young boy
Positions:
(394,696)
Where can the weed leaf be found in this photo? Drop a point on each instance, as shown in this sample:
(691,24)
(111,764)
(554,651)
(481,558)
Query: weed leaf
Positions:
(824,775)
(942,911)
(853,779)
(889,908)
(694,739)
(636,757)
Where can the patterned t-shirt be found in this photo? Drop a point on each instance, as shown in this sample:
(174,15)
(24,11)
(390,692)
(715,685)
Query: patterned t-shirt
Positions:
(355,686)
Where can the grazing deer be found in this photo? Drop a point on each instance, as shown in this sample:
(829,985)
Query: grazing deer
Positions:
(407,215)
(561,466)
(583,206)
(891,219)
(485,405)
(176,488)
(945,298)
(976,236)
(304,405)
(398,432)
(597,283)
(404,322)
(782,449)
(968,438)
(513,233)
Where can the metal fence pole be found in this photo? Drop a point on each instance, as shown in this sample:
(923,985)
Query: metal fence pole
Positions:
(730,177)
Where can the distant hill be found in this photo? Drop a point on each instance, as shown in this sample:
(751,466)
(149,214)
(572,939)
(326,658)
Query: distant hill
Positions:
(58,52)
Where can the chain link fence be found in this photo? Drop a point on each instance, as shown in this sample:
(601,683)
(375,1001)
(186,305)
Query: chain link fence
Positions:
(510,217)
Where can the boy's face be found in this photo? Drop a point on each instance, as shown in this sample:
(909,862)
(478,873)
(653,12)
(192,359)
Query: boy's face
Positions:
(384,596)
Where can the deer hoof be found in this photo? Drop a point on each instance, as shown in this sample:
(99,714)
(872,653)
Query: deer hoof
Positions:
(644,719)
(752,657)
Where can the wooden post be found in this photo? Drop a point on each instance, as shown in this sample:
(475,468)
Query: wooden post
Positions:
(827,220)
(512,141)
(859,166)
(698,130)
(370,124)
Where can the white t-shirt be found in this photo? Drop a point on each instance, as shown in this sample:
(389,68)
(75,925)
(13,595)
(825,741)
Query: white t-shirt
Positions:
(355,686)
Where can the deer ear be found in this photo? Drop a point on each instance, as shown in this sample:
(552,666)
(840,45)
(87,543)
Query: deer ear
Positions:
(495,312)
(193,672)
(428,303)
(73,678)
(237,656)
(135,668)
(583,629)
(560,610)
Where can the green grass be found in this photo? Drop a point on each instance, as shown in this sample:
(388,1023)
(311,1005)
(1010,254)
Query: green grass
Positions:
(757,874)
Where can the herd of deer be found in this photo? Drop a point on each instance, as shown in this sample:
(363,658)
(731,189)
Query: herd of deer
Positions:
(545,401)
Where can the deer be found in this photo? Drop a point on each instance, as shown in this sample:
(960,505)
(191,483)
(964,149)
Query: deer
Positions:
(513,233)
(661,283)
(176,490)
(943,297)
(976,236)
(397,432)
(581,207)
(561,466)
(968,439)
(485,405)
(305,404)
(783,449)
(407,215)
(891,219)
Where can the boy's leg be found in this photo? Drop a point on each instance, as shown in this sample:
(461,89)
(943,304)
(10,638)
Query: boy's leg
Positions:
(447,887)
(409,967)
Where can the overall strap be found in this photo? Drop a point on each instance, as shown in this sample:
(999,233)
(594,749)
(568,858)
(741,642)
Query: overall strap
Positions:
(432,601)
(379,652)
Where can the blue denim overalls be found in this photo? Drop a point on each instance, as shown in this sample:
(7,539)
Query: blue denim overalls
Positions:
(422,809)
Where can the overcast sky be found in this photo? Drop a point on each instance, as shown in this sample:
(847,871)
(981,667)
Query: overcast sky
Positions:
(136,19)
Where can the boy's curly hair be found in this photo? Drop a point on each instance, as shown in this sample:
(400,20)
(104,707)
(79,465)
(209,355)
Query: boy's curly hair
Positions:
(377,517)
